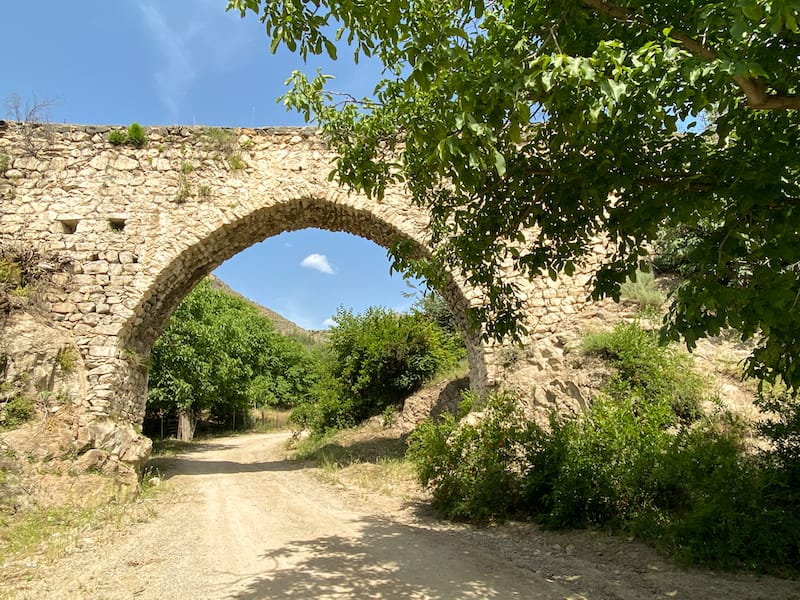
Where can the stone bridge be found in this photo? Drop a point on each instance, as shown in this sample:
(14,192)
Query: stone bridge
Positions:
(138,227)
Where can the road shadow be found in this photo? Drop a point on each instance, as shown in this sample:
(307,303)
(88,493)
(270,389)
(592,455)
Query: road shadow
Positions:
(171,466)
(389,560)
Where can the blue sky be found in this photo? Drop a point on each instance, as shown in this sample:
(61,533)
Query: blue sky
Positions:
(160,62)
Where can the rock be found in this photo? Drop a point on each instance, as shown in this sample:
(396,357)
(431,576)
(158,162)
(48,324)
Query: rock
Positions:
(92,460)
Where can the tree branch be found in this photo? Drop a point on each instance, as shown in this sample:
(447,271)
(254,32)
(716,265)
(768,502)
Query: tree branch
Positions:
(754,88)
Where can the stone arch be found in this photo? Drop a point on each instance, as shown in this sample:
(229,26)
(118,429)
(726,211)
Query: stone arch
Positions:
(179,273)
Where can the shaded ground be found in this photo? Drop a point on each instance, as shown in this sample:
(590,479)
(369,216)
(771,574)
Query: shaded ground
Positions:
(241,521)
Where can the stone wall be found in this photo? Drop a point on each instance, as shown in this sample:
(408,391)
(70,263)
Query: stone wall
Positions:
(141,226)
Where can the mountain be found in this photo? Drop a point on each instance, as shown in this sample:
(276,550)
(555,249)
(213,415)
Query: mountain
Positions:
(282,324)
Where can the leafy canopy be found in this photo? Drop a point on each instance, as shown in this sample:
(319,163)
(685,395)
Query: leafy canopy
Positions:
(219,354)
(517,116)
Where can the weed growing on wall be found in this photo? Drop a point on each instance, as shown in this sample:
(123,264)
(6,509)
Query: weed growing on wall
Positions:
(134,136)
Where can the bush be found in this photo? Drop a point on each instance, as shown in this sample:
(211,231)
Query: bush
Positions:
(675,246)
(375,361)
(474,470)
(642,290)
(691,491)
(116,138)
(17,411)
(136,135)
(647,370)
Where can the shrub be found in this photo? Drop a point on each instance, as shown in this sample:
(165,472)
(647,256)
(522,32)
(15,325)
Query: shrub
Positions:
(116,138)
(17,411)
(692,490)
(67,359)
(136,135)
(474,470)
(375,361)
(642,290)
(675,246)
(236,162)
(648,370)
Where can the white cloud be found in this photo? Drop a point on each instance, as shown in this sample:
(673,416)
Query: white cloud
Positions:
(328,323)
(318,262)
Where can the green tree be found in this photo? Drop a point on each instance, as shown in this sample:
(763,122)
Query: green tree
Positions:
(374,360)
(527,115)
(218,355)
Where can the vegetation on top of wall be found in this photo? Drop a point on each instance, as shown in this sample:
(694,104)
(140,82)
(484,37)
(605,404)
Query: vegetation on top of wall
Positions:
(35,134)
(224,143)
(134,136)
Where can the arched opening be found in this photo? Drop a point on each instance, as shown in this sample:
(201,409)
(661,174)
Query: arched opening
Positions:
(177,274)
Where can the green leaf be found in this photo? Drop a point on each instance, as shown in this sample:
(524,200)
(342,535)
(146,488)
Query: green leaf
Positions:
(499,163)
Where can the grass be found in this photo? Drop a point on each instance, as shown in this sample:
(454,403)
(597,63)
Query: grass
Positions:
(44,535)
(366,457)
(170,447)
(642,291)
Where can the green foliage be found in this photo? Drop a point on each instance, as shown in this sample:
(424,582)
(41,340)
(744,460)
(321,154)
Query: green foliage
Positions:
(67,359)
(187,168)
(220,140)
(685,111)
(375,360)
(676,247)
(434,308)
(116,138)
(647,371)
(691,491)
(219,355)
(134,136)
(184,190)
(782,429)
(236,162)
(641,290)
(17,411)
(473,470)
(10,273)
(5,162)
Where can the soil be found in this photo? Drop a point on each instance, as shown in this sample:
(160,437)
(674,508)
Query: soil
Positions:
(239,520)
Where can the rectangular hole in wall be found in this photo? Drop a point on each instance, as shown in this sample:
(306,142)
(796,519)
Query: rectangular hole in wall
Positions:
(69,226)
(116,224)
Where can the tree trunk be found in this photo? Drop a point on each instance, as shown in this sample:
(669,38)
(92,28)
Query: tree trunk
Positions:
(185,425)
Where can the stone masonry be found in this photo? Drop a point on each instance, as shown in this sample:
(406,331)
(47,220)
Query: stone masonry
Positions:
(141,226)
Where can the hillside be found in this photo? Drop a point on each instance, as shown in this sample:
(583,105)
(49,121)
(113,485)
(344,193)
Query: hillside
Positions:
(282,324)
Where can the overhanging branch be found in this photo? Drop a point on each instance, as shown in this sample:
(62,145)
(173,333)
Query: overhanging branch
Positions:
(754,88)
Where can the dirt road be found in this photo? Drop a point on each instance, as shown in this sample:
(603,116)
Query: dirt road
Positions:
(248,523)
